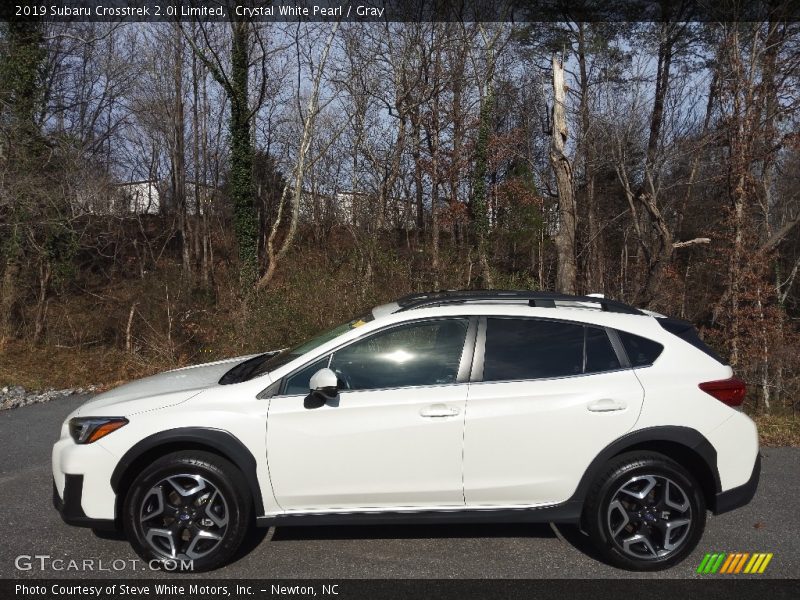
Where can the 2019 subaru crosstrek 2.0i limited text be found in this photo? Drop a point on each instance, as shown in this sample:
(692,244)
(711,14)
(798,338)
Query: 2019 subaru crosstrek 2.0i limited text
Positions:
(439,407)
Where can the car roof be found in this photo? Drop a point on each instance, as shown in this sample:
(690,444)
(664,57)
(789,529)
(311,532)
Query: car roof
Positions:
(554,302)
(582,314)
(533,298)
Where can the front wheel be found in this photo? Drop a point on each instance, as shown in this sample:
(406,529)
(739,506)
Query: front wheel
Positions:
(187,510)
(645,512)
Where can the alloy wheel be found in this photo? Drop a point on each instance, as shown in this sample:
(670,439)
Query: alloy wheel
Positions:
(183,516)
(649,517)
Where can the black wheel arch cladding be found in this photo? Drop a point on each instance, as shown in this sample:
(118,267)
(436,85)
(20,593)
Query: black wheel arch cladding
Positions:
(216,441)
(649,439)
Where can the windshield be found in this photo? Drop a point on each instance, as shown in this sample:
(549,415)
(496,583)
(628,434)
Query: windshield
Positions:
(264,363)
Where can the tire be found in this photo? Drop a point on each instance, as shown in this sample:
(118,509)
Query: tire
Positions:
(188,506)
(644,512)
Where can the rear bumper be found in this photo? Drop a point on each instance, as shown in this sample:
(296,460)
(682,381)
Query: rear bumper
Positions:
(70,509)
(740,495)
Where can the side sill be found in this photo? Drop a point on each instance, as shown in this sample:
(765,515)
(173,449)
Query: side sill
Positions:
(567,512)
(70,507)
(739,496)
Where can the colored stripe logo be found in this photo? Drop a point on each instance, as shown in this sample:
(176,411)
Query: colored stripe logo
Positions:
(732,563)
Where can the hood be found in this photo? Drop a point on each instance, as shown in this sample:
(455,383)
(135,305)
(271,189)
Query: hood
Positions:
(158,391)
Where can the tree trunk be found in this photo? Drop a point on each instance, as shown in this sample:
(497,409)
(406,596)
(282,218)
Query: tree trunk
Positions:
(567,274)
(457,68)
(178,154)
(594,266)
(244,212)
(416,155)
(742,132)
(8,298)
(205,216)
(42,301)
(480,207)
(198,209)
(23,150)
(660,255)
(273,254)
(434,144)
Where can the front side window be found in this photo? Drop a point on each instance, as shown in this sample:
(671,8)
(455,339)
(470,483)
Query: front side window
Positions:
(518,349)
(417,354)
(298,383)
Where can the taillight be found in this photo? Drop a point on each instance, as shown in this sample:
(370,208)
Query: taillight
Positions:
(728,391)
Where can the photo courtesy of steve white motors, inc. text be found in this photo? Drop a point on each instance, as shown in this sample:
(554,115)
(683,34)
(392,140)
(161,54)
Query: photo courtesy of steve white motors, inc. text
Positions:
(170,589)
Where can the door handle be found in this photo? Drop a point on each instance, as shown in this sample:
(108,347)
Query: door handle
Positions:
(439,410)
(607,405)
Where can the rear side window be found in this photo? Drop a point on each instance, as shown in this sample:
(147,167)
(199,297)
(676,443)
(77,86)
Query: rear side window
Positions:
(518,349)
(600,355)
(687,332)
(641,351)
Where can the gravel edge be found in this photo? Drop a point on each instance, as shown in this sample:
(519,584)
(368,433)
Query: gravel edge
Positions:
(16,396)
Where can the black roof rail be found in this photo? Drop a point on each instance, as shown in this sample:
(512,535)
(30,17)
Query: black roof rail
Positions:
(537,299)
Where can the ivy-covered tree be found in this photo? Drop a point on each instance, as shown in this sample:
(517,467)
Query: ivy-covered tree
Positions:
(21,151)
(236,84)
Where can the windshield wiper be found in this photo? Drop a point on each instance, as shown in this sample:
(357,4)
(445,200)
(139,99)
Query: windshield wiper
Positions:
(244,370)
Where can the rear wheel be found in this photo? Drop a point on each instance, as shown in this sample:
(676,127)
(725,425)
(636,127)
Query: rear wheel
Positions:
(188,506)
(645,512)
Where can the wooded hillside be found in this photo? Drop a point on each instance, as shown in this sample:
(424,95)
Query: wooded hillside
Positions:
(171,193)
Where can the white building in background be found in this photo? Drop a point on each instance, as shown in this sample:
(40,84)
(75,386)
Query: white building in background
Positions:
(119,199)
(139,197)
(146,197)
(153,197)
(353,208)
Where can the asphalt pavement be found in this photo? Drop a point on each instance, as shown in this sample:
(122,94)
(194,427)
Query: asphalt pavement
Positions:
(31,527)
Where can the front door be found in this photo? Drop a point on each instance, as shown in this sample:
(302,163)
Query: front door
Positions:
(393,438)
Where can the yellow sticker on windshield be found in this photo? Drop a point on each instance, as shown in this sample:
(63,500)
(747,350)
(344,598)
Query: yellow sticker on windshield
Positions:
(358,323)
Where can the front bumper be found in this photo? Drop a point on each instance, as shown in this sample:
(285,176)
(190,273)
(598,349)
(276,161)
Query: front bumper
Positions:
(70,509)
(740,495)
(82,480)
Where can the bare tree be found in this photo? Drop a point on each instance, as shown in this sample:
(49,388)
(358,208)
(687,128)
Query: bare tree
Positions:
(567,274)
(295,192)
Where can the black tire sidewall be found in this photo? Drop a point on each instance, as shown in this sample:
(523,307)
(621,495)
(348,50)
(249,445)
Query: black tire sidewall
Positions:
(620,471)
(221,473)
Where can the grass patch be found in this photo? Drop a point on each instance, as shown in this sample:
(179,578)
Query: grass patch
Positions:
(778,429)
(40,367)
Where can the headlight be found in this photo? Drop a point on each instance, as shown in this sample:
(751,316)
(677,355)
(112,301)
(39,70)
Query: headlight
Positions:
(85,430)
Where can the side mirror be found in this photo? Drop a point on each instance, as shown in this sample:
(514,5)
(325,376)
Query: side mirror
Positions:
(324,386)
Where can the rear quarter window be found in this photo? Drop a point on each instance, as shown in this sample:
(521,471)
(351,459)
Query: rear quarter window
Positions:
(641,351)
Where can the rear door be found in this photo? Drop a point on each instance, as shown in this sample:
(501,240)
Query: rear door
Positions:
(549,397)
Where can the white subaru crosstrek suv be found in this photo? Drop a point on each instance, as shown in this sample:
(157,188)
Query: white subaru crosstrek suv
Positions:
(440,407)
